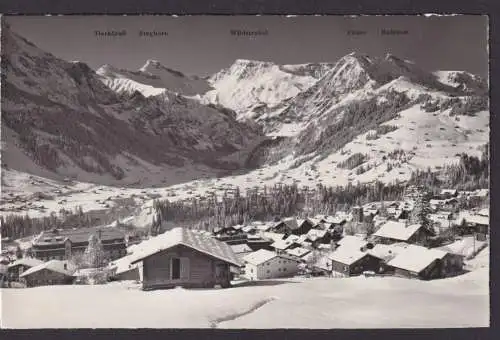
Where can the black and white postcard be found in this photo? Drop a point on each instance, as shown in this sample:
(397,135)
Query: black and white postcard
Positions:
(250,172)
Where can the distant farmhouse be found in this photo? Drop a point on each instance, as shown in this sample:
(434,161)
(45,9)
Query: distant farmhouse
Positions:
(63,244)
(53,272)
(422,263)
(265,264)
(392,232)
(18,267)
(292,226)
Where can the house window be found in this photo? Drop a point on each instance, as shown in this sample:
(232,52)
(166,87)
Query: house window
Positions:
(284,269)
(268,271)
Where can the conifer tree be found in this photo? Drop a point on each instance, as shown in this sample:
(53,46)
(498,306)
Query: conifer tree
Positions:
(94,254)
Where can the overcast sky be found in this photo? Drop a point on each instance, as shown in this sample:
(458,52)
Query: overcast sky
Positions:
(203,44)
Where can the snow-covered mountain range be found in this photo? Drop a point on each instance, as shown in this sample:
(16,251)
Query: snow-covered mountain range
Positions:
(359,119)
(71,121)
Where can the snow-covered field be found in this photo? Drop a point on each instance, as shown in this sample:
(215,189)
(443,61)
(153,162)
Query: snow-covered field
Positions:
(359,302)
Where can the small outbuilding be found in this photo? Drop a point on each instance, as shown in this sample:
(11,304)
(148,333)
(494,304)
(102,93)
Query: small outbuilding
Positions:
(53,272)
(19,266)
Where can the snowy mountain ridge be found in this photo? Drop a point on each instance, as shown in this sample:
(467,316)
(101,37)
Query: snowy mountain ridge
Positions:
(69,123)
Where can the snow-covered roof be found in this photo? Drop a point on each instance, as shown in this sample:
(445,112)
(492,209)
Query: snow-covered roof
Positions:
(449,192)
(347,255)
(273,236)
(299,252)
(314,234)
(416,258)
(481,192)
(260,256)
(122,265)
(248,228)
(384,251)
(477,219)
(264,227)
(241,248)
(189,238)
(397,230)
(292,238)
(26,261)
(352,242)
(282,244)
(315,221)
(484,212)
(52,265)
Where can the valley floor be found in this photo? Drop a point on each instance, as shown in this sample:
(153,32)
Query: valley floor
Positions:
(374,302)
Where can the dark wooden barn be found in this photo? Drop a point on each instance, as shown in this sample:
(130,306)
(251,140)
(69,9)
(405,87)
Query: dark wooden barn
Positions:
(182,257)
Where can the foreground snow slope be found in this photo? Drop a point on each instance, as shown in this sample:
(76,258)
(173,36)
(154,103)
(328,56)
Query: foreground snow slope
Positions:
(294,303)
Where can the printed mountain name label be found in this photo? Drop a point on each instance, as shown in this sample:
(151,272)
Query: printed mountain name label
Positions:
(393,32)
(120,33)
(249,33)
(356,32)
(151,34)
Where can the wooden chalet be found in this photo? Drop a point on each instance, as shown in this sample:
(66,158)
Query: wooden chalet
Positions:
(421,263)
(53,272)
(60,244)
(182,257)
(18,267)
(393,232)
(293,226)
(352,262)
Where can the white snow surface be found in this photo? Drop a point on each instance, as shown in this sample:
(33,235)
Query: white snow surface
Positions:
(376,302)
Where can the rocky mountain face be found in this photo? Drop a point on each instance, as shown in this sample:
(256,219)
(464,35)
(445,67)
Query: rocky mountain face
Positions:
(249,87)
(70,121)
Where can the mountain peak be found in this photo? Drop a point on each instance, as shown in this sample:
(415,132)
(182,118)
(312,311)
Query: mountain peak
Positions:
(106,70)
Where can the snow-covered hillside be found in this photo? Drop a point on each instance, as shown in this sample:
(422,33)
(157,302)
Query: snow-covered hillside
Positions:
(293,303)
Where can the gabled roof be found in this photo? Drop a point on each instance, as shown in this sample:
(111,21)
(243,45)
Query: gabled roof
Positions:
(122,265)
(384,251)
(298,252)
(273,236)
(26,261)
(416,258)
(352,242)
(315,234)
(52,265)
(347,256)
(80,235)
(397,230)
(282,244)
(260,256)
(241,248)
(477,219)
(189,238)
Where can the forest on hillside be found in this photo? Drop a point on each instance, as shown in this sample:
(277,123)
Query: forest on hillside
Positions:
(268,203)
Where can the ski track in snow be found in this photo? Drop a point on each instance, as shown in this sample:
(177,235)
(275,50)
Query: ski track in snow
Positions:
(216,322)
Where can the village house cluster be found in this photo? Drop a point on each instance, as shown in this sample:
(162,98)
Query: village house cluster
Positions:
(338,245)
